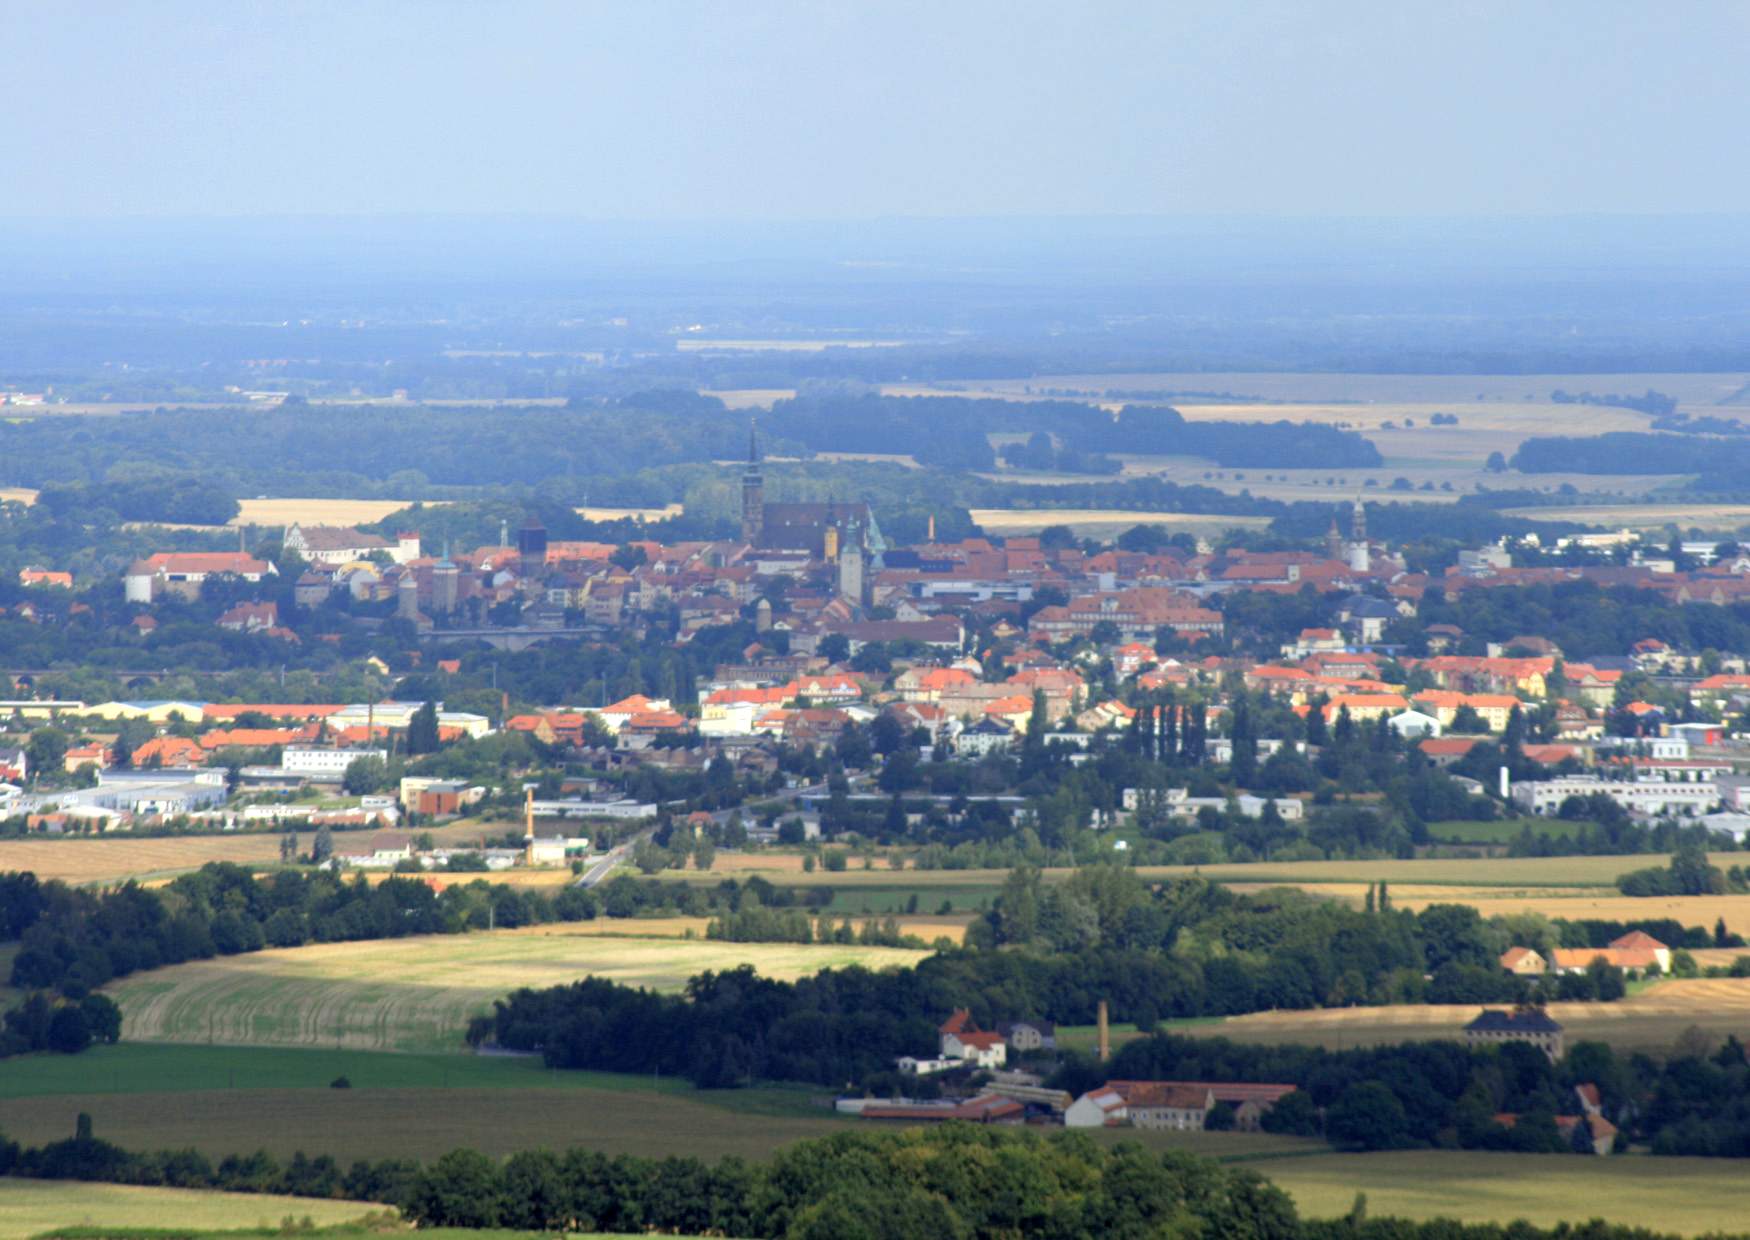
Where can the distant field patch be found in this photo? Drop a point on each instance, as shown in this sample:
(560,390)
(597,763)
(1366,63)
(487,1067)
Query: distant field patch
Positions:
(313,511)
(749,398)
(17,495)
(629,514)
(31,1207)
(1105,520)
(1502,831)
(1458,872)
(1444,390)
(1688,1196)
(1651,1020)
(1726,518)
(1702,911)
(418,994)
(113,858)
(1432,480)
(428,1122)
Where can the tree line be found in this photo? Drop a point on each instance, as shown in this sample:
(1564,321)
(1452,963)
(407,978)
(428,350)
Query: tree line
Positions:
(73,940)
(1444,1095)
(954,1181)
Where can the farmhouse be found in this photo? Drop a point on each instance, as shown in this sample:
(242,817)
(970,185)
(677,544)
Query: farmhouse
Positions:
(1524,962)
(963,1040)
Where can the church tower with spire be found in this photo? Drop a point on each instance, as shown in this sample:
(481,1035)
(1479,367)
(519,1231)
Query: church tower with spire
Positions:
(753,490)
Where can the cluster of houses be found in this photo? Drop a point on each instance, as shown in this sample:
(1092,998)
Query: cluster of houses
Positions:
(1151,614)
(999,1096)
(1635,952)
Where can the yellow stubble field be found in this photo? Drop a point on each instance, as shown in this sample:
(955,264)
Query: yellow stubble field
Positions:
(1650,1020)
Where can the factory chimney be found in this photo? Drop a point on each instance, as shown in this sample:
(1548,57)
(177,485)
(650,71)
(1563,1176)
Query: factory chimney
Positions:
(1105,1034)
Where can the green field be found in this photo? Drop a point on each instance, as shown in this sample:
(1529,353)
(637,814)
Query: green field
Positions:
(8,996)
(31,1207)
(418,994)
(237,1099)
(1501,831)
(1688,1196)
(1458,872)
(894,897)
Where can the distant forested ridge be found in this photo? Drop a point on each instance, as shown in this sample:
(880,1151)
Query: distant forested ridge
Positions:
(953,431)
(324,449)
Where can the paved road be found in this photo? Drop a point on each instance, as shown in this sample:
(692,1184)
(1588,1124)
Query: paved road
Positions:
(612,860)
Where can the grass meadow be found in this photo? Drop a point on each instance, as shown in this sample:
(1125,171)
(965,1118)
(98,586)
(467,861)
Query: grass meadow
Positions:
(1501,831)
(423,1123)
(418,994)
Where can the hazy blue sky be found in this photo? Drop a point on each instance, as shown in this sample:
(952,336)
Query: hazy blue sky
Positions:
(644,109)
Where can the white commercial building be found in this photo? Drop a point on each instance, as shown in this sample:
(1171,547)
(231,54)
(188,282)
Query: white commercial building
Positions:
(321,762)
(1649,797)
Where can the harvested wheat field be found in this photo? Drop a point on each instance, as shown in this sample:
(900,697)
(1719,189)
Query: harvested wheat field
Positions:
(1685,1196)
(749,398)
(1651,1020)
(1566,903)
(757,862)
(1701,911)
(112,858)
(1517,872)
(32,1207)
(287,511)
(1726,518)
(629,514)
(417,994)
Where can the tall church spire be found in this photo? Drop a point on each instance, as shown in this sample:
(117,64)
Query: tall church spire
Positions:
(753,490)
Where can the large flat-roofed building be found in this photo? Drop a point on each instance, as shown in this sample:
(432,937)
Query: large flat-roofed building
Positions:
(322,762)
(1651,797)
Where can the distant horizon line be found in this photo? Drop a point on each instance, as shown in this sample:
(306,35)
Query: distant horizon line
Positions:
(1104,217)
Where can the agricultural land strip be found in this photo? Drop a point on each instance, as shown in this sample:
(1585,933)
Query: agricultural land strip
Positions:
(418,994)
